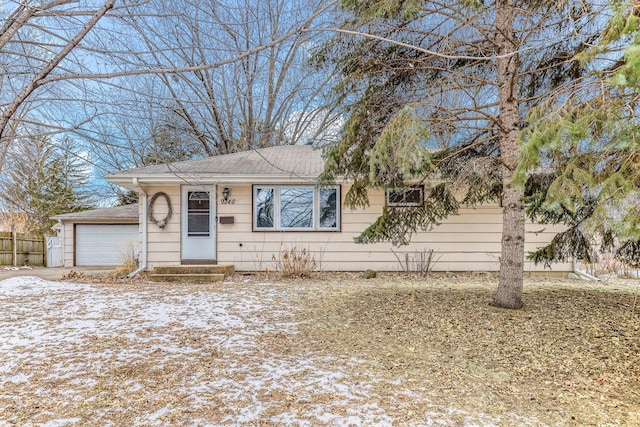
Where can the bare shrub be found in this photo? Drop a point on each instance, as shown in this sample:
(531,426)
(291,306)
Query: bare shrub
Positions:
(294,262)
(606,264)
(421,262)
(15,221)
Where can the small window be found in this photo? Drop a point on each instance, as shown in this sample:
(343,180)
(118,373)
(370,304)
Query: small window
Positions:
(407,196)
(296,208)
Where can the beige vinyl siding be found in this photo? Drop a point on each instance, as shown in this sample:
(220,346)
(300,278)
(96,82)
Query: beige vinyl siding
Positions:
(68,247)
(466,242)
(163,245)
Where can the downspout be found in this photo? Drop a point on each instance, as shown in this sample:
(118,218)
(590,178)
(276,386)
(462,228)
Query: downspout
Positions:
(142,266)
(582,274)
(61,236)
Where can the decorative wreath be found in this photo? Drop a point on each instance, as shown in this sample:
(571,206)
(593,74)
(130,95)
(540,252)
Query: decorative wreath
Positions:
(160,223)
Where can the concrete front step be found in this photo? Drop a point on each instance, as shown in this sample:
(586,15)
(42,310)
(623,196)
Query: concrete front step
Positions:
(194,269)
(191,273)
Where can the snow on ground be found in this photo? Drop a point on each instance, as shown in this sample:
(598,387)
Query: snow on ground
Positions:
(76,354)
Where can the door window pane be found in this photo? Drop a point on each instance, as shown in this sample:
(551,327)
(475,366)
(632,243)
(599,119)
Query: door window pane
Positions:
(198,214)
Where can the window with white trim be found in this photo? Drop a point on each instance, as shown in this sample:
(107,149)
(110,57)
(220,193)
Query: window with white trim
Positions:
(407,196)
(296,207)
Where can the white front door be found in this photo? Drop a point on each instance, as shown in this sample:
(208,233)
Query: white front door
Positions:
(198,224)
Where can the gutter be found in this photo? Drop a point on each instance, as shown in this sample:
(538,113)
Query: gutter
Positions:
(179,178)
(143,251)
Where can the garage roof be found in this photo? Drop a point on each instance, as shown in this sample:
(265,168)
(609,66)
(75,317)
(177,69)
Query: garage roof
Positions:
(128,213)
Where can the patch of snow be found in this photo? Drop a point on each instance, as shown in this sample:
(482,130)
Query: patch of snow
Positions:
(18,379)
(157,415)
(136,387)
(79,335)
(16,268)
(61,422)
(29,286)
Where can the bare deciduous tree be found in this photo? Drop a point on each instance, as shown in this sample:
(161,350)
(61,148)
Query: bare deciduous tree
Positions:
(263,93)
(230,74)
(38,60)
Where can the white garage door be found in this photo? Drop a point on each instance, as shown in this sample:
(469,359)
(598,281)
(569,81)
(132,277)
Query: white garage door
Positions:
(100,244)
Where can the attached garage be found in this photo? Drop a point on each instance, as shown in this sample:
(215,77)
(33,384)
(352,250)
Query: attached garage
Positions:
(99,237)
(104,244)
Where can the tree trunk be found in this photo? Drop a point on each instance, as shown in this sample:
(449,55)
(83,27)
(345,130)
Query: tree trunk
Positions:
(509,294)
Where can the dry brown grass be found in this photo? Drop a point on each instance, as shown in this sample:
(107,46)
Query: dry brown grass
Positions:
(128,261)
(415,349)
(570,357)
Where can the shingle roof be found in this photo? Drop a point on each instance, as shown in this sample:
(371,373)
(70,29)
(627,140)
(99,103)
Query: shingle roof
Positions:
(122,213)
(280,161)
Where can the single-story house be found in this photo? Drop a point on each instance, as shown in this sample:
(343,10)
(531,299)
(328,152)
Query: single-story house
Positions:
(99,237)
(246,208)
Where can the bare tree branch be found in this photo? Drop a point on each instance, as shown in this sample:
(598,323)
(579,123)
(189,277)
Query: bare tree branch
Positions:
(40,78)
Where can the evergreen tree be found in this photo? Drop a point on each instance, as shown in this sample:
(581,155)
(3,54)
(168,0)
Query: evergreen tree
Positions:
(440,91)
(126,197)
(168,143)
(588,144)
(42,180)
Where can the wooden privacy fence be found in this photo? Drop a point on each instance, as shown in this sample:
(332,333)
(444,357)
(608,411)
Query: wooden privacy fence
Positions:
(21,249)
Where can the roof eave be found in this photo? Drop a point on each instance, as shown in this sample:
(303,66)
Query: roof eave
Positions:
(96,220)
(126,180)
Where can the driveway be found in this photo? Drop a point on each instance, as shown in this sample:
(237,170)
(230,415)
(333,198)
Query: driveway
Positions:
(52,273)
